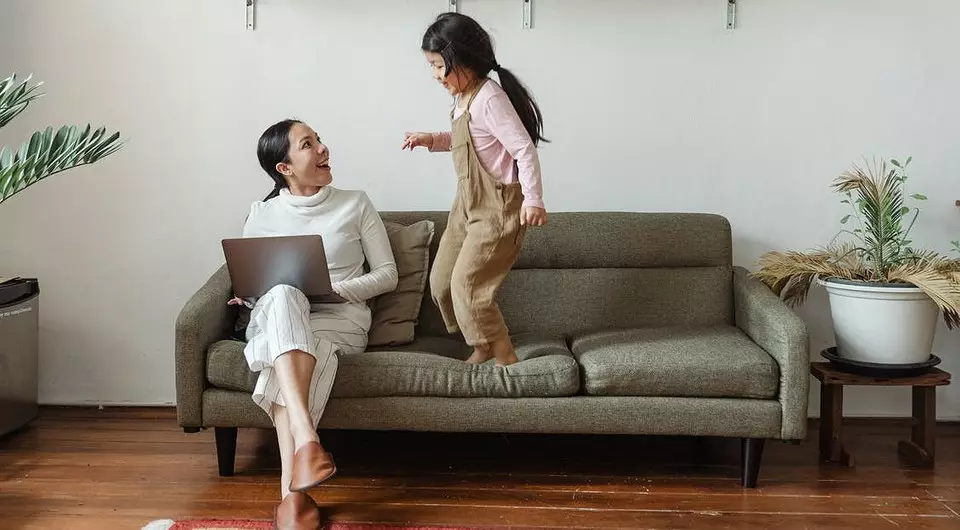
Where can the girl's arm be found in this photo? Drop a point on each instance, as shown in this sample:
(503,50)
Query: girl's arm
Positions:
(437,141)
(382,277)
(504,123)
(441,141)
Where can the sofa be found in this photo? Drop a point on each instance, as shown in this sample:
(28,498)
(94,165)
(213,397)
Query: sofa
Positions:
(624,323)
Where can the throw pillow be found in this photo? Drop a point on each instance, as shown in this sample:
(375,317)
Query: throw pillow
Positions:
(394,314)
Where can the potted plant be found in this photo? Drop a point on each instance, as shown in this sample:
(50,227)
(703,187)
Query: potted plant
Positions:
(46,153)
(884,294)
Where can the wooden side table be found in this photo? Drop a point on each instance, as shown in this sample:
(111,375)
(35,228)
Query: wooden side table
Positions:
(919,450)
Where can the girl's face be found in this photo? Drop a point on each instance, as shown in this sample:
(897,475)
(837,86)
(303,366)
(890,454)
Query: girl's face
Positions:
(309,166)
(455,83)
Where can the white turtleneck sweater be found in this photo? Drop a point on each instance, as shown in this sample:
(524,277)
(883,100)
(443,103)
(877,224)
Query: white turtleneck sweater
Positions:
(352,232)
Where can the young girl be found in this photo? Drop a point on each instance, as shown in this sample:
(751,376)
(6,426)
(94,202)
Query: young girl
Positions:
(493,141)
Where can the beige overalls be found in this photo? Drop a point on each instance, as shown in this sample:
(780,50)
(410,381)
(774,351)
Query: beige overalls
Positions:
(479,246)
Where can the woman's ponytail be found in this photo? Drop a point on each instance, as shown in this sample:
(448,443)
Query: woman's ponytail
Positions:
(272,149)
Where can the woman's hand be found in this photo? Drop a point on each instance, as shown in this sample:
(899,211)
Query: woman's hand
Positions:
(412,140)
(236,300)
(533,216)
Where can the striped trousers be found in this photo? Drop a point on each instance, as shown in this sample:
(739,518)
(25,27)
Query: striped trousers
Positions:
(283,320)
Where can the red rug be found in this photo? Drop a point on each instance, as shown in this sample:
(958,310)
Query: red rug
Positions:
(216,524)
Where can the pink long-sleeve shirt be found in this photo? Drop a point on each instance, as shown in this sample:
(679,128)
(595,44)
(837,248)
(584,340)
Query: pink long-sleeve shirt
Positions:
(499,139)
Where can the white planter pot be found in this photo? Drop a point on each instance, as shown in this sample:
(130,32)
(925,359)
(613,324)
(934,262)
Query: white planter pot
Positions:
(881,323)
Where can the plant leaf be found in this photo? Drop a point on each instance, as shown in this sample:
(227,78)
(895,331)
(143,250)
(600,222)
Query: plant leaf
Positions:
(14,98)
(48,153)
(919,196)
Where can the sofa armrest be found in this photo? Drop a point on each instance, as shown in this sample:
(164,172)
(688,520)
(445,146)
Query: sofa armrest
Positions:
(770,323)
(203,320)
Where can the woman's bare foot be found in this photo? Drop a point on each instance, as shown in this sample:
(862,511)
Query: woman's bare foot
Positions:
(503,351)
(481,354)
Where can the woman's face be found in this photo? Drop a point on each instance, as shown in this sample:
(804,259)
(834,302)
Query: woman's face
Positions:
(309,166)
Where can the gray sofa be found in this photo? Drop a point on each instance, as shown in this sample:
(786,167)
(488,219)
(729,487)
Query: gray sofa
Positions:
(625,323)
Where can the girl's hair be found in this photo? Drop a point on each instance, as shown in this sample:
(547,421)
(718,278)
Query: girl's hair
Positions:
(272,149)
(462,42)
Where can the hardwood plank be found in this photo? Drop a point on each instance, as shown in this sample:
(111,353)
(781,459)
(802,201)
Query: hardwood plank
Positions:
(128,474)
(111,492)
(386,511)
(540,518)
(944,493)
(954,507)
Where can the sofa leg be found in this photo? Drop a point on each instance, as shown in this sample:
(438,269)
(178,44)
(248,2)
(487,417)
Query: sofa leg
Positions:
(226,449)
(191,430)
(751,452)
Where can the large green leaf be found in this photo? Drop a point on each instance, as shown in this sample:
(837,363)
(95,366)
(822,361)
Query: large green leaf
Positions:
(14,97)
(48,153)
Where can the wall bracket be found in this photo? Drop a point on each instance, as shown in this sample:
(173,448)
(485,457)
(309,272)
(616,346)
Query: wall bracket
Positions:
(453,6)
(731,14)
(251,8)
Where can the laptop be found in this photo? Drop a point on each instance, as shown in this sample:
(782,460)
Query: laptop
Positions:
(257,264)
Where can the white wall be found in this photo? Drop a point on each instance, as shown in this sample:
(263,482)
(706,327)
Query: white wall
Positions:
(652,105)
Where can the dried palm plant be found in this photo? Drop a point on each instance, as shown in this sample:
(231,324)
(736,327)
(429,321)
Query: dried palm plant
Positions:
(880,250)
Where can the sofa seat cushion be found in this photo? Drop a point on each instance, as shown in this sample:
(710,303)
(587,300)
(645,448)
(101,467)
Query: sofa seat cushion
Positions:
(429,366)
(713,361)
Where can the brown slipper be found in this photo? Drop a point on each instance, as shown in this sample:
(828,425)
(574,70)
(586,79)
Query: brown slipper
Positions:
(297,511)
(311,466)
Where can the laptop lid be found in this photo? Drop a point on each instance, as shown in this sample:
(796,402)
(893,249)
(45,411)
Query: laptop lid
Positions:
(257,264)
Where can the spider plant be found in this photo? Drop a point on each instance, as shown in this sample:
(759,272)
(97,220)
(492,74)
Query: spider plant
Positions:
(878,249)
(47,152)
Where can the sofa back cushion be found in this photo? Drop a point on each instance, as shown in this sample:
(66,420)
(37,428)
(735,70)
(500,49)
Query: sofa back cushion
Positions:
(592,270)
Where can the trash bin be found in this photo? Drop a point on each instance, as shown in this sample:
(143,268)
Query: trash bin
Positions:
(19,307)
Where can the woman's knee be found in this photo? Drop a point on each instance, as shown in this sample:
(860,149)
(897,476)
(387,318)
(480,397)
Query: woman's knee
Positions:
(288,292)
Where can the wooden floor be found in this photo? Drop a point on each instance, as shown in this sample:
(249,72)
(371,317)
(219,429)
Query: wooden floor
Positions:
(121,468)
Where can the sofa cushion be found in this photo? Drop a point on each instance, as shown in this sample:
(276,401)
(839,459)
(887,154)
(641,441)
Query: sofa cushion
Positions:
(429,366)
(714,361)
(394,314)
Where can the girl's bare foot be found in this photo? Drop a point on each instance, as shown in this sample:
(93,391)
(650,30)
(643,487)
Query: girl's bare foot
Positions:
(481,354)
(503,351)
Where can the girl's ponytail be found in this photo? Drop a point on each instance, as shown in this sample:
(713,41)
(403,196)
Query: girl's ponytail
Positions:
(524,104)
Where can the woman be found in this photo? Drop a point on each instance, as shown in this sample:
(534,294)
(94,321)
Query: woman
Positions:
(292,344)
